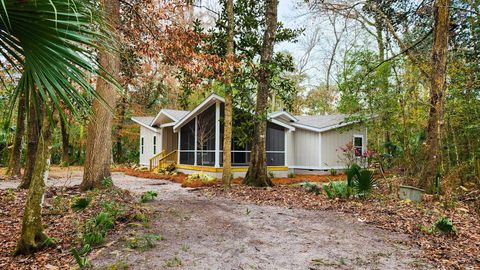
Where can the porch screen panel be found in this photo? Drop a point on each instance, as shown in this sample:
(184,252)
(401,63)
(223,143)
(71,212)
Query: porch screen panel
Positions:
(275,145)
(187,143)
(206,137)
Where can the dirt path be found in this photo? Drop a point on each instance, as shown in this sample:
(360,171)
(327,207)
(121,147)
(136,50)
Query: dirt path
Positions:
(210,233)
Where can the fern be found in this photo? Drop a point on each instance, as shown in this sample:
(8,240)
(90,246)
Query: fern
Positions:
(364,182)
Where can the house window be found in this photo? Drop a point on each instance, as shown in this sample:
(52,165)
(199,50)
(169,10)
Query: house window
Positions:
(154,145)
(358,145)
(142,144)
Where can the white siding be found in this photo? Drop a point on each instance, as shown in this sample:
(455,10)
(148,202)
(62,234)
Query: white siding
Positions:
(290,147)
(306,149)
(147,134)
(332,156)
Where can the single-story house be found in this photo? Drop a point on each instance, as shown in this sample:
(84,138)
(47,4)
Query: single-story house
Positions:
(193,140)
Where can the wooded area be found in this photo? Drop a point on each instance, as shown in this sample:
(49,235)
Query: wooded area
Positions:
(75,72)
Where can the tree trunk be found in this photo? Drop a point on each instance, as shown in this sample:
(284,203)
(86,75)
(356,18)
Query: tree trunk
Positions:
(437,90)
(257,171)
(15,162)
(122,109)
(33,134)
(227,125)
(32,235)
(99,131)
(65,144)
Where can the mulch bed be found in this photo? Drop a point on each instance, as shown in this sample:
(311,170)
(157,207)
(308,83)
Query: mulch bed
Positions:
(445,251)
(60,222)
(181,177)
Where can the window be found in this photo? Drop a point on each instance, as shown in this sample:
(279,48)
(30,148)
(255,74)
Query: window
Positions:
(154,145)
(358,145)
(142,144)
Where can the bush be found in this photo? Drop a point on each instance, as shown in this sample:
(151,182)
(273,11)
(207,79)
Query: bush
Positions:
(333,172)
(337,189)
(148,196)
(107,182)
(271,175)
(97,228)
(80,203)
(291,175)
(310,187)
(361,180)
(445,225)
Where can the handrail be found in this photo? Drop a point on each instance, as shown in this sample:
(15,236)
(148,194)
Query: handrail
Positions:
(167,159)
(154,160)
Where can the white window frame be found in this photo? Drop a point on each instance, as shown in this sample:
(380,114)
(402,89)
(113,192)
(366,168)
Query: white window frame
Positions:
(154,144)
(355,147)
(142,145)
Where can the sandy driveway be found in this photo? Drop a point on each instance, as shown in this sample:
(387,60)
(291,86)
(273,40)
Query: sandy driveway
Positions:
(199,232)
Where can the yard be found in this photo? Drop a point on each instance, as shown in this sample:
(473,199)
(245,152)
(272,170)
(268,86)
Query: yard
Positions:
(207,227)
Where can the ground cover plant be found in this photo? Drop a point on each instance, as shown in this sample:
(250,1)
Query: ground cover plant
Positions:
(76,224)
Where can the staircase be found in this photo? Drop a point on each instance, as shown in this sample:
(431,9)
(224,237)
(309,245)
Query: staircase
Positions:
(163,160)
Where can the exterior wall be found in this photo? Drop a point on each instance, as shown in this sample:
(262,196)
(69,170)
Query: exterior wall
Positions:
(147,135)
(332,156)
(290,147)
(169,139)
(306,149)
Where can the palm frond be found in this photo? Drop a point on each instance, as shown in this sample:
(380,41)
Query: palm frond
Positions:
(52,43)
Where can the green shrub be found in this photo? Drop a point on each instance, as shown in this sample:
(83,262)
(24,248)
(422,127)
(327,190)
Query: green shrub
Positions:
(333,172)
(364,182)
(311,187)
(143,243)
(291,175)
(79,255)
(337,189)
(80,203)
(97,228)
(271,174)
(107,182)
(352,171)
(445,225)
(148,196)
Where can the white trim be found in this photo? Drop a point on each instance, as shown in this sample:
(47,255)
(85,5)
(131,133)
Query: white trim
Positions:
(311,128)
(280,123)
(178,147)
(144,125)
(197,110)
(363,144)
(166,114)
(161,139)
(320,149)
(285,156)
(171,124)
(217,134)
(195,141)
(280,113)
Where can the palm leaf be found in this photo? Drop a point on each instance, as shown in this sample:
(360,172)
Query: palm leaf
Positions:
(52,44)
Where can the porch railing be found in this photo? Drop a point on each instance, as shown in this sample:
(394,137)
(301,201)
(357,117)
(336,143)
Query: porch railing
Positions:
(155,159)
(165,160)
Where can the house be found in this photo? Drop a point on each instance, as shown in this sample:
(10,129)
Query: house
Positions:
(193,140)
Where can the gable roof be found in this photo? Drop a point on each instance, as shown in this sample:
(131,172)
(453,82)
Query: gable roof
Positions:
(207,102)
(321,123)
(172,117)
(144,121)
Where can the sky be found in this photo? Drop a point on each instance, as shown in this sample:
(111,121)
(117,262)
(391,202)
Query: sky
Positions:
(294,14)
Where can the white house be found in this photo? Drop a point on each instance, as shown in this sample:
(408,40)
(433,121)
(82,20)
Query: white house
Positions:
(194,141)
